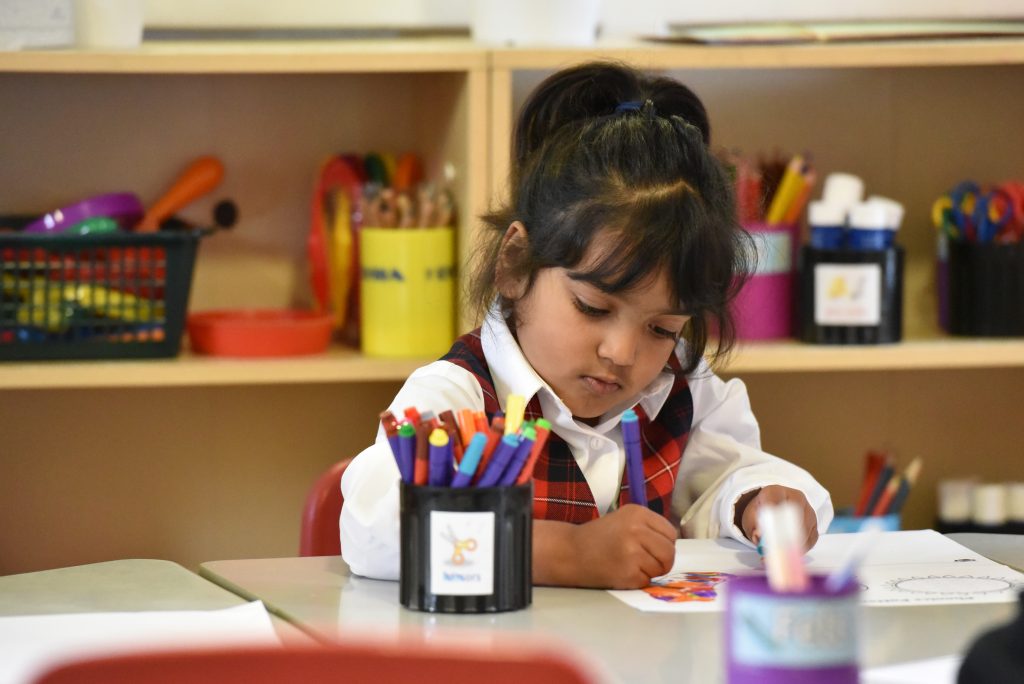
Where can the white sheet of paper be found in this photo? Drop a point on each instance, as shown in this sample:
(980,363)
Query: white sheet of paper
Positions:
(910,567)
(931,671)
(30,644)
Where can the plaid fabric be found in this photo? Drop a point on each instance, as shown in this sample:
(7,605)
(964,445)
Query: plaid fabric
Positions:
(560,491)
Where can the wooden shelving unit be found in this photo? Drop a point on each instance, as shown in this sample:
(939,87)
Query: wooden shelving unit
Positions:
(198,458)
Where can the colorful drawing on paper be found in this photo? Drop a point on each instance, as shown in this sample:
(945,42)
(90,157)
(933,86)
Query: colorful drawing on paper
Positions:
(687,587)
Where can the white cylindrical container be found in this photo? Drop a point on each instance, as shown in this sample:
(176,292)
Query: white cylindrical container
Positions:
(108,24)
(988,505)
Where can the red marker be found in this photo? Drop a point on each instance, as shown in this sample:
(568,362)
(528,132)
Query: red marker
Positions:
(543,429)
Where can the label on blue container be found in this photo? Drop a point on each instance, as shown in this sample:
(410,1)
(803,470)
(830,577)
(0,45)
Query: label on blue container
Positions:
(462,553)
(847,294)
(802,631)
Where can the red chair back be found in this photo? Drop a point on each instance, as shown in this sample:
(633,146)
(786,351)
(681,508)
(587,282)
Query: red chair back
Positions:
(380,664)
(319,533)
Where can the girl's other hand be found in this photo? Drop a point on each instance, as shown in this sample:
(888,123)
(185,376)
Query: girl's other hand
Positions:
(621,550)
(770,496)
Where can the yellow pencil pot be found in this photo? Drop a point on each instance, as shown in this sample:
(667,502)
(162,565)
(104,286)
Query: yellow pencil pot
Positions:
(407,291)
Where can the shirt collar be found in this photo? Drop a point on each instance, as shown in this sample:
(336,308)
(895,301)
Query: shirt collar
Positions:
(513,374)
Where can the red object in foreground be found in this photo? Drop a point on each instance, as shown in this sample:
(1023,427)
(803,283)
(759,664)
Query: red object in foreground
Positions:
(259,332)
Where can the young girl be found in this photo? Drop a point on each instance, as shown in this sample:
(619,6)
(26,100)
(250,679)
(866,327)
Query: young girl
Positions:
(618,251)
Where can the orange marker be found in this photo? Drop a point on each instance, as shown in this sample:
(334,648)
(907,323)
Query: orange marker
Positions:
(467,426)
(422,467)
(480,418)
(543,429)
(494,436)
(413,416)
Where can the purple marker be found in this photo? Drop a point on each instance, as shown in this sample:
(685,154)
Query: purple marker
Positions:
(499,461)
(406,452)
(634,458)
(511,473)
(440,473)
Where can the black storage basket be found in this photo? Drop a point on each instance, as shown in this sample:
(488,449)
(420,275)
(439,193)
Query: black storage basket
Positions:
(109,296)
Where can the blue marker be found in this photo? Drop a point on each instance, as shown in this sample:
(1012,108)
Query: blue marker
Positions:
(634,458)
(440,473)
(499,461)
(470,460)
(406,452)
(511,473)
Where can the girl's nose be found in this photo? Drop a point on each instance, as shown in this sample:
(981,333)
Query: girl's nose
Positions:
(619,346)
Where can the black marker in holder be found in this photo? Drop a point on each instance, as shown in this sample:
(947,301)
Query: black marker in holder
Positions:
(466,550)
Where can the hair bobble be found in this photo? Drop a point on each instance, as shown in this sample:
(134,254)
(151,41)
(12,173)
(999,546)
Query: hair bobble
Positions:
(647,106)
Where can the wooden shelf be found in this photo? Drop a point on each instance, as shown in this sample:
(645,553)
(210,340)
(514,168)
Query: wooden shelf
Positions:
(340,365)
(258,57)
(941,353)
(653,55)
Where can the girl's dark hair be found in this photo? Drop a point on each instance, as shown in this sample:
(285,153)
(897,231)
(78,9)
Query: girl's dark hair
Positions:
(604,146)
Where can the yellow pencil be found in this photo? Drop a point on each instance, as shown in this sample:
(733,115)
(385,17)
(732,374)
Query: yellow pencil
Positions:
(789,186)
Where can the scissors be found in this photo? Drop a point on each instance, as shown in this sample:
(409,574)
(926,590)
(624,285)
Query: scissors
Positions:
(968,213)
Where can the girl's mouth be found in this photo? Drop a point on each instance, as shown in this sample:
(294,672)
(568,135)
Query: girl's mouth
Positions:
(601,386)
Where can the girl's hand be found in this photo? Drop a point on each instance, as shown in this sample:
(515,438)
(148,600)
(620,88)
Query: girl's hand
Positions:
(770,496)
(621,550)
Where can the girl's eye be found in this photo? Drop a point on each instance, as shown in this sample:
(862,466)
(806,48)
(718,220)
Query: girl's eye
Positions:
(586,309)
(662,332)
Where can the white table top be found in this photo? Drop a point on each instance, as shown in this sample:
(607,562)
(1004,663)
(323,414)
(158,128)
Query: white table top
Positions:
(322,596)
(120,585)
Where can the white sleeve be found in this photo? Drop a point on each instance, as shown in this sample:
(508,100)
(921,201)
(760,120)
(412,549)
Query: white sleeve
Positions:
(723,460)
(369,516)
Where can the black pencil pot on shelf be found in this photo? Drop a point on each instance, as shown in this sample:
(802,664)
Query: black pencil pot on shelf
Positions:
(986,289)
(850,296)
(466,550)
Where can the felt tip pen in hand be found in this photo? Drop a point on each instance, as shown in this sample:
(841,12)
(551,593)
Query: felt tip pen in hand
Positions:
(470,460)
(440,459)
(634,458)
(511,474)
(407,452)
(499,461)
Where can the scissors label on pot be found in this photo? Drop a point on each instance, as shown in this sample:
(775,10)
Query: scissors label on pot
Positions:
(847,294)
(462,553)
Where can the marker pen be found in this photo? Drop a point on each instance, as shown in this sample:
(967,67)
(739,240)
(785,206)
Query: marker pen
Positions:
(470,460)
(452,428)
(493,440)
(511,474)
(502,455)
(412,415)
(407,452)
(421,467)
(634,458)
(467,426)
(543,428)
(390,425)
(440,459)
(515,406)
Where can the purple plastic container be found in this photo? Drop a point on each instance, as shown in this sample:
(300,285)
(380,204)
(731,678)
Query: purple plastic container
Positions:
(123,207)
(805,638)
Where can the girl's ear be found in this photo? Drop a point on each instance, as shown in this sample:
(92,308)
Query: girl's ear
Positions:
(510,277)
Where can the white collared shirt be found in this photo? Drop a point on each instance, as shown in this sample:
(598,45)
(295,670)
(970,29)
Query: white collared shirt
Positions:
(722,460)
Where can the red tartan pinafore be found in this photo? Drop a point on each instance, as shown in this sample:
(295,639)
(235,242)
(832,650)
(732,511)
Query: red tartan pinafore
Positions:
(560,491)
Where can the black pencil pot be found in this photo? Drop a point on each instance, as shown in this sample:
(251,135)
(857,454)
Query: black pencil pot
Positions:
(850,296)
(466,550)
(986,289)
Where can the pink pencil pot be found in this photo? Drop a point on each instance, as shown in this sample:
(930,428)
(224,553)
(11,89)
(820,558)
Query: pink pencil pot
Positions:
(763,309)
